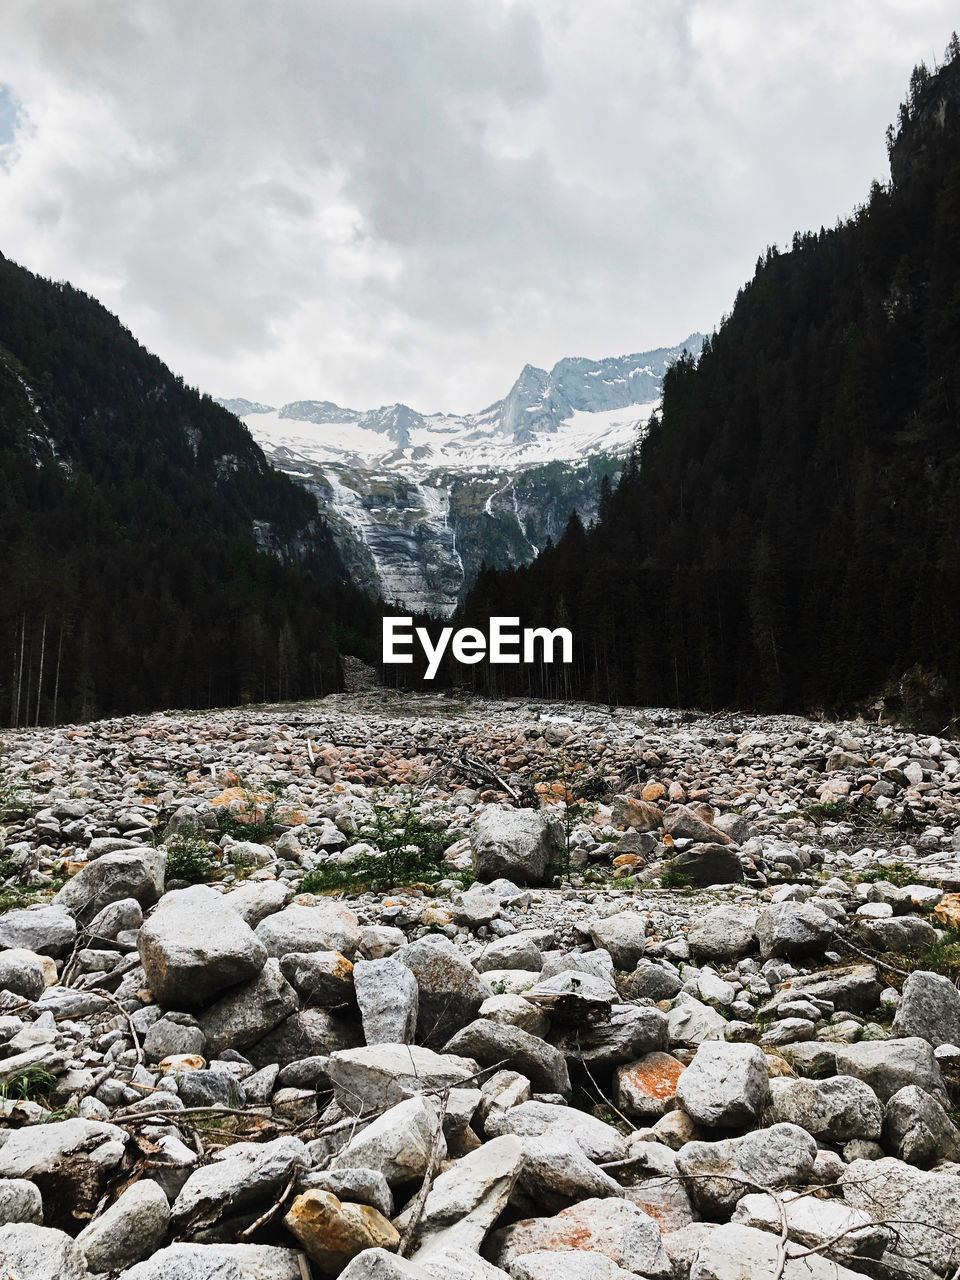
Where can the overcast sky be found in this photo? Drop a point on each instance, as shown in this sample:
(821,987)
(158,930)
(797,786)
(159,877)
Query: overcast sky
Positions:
(378,200)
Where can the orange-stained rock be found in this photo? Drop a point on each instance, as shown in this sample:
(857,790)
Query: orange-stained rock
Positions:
(639,814)
(947,910)
(777,1066)
(653,792)
(647,1087)
(182,1062)
(628,860)
(332,1233)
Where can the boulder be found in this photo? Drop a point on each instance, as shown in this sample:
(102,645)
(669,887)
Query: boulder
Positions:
(307,1034)
(39,1253)
(131,1228)
(397,1143)
(707,864)
(333,1232)
(323,979)
(623,936)
(793,930)
(450,991)
(647,1087)
(22,972)
(888,1065)
(466,1200)
(246,1173)
(641,814)
(599,1141)
(383,1074)
(930,1008)
(129,873)
(254,900)
(194,946)
(627,1032)
(721,1173)
(48,930)
(321,926)
(20,1201)
(519,844)
(389,999)
(247,1013)
(918,1130)
(735,1252)
(489,1043)
(725,933)
(615,1228)
(725,1086)
(834,1110)
(919,1202)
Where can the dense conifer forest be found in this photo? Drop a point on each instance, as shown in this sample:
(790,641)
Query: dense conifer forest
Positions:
(787,535)
(150,556)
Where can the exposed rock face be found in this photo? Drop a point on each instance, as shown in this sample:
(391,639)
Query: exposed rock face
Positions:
(418,503)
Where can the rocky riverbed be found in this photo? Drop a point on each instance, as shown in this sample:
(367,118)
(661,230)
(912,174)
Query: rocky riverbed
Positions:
(384,987)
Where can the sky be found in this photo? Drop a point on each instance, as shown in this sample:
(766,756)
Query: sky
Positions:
(371,201)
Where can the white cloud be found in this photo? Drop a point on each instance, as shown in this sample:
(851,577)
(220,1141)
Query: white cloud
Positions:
(370,200)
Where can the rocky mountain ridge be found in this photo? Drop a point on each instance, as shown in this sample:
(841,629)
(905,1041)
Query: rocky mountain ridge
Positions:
(700,1025)
(418,502)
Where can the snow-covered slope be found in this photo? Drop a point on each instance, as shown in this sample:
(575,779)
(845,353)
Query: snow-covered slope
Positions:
(418,501)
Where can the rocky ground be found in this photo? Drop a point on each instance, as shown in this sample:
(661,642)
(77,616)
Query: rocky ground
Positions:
(388,987)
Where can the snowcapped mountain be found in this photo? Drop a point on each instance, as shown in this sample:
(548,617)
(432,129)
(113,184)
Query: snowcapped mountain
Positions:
(417,502)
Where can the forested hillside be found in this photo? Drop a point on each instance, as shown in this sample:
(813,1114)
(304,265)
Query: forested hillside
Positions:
(150,556)
(789,534)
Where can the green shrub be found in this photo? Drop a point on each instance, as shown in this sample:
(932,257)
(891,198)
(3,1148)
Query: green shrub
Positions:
(407,850)
(188,859)
(673,879)
(32,1084)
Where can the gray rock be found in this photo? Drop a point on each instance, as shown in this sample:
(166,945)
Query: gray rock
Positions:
(321,978)
(324,926)
(22,973)
(733,1252)
(244,1174)
(129,873)
(389,1000)
(721,1173)
(20,1201)
(794,930)
(189,1262)
(254,900)
(194,946)
(515,951)
(450,989)
(725,933)
(516,1011)
(599,1141)
(690,1021)
(855,988)
(168,1036)
(310,1033)
(901,934)
(725,1086)
(456,1264)
(918,1130)
(39,1253)
(919,1202)
(247,1013)
(114,919)
(834,1110)
(625,1034)
(615,1228)
(489,1043)
(397,1143)
(813,1222)
(41,1150)
(707,864)
(209,1089)
(567,1264)
(556,1173)
(477,906)
(131,1228)
(650,981)
(48,930)
(624,936)
(466,1200)
(381,1075)
(888,1065)
(519,844)
(929,1007)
